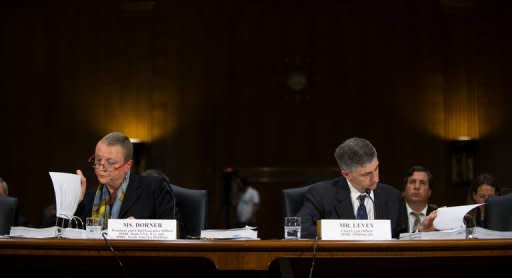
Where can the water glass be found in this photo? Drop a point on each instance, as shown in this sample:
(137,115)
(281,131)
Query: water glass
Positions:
(292,228)
(93,227)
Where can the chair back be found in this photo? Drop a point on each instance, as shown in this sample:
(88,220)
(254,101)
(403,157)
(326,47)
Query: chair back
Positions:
(498,214)
(192,210)
(8,213)
(293,199)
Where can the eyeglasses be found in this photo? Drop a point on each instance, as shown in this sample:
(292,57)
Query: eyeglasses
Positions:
(107,164)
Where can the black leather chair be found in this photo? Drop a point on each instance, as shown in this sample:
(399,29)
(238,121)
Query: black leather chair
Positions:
(293,199)
(8,214)
(192,210)
(498,214)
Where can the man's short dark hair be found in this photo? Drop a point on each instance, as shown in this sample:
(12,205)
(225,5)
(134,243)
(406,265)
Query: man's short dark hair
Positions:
(418,168)
(355,152)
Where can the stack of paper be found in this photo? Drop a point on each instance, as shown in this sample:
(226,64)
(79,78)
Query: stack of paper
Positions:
(477,232)
(246,232)
(67,196)
(19,231)
(450,225)
(27,232)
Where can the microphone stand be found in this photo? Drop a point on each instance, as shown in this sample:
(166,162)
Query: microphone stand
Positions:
(367,191)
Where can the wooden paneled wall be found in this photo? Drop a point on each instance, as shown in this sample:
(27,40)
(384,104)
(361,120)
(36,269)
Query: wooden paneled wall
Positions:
(211,85)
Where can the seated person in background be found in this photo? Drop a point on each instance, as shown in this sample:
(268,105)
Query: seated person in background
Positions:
(484,186)
(242,200)
(357,193)
(121,193)
(416,194)
(248,202)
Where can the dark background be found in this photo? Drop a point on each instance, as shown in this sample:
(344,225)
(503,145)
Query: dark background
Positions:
(206,85)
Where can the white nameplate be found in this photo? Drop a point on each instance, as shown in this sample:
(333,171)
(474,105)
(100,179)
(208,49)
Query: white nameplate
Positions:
(345,229)
(142,229)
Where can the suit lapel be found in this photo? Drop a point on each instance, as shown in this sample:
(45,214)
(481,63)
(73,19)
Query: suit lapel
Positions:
(404,219)
(378,204)
(132,194)
(343,208)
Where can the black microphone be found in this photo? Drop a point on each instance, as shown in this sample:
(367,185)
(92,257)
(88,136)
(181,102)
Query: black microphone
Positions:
(109,243)
(367,191)
(469,221)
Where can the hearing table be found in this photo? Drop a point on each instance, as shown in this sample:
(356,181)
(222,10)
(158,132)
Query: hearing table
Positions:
(265,257)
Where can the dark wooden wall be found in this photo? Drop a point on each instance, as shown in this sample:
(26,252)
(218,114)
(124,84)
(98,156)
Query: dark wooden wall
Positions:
(204,83)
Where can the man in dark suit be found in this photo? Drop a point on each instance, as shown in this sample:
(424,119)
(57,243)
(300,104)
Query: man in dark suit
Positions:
(417,191)
(121,193)
(344,197)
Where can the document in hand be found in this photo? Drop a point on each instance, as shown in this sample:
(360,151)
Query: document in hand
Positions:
(246,232)
(449,218)
(67,193)
(450,225)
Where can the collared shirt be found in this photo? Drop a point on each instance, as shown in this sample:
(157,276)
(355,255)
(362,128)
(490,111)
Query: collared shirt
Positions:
(116,205)
(411,216)
(367,201)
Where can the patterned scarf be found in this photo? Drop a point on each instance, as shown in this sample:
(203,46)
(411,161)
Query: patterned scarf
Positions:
(103,207)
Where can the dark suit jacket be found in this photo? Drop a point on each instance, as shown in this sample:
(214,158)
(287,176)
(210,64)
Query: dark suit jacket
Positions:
(146,197)
(404,221)
(331,200)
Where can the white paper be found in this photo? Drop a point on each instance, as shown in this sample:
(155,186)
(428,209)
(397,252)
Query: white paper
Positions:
(452,217)
(478,232)
(246,232)
(67,193)
(49,232)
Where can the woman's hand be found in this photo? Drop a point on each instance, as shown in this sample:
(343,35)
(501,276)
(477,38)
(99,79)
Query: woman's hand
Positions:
(83,184)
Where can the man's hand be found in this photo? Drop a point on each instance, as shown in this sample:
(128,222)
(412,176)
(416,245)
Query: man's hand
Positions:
(428,223)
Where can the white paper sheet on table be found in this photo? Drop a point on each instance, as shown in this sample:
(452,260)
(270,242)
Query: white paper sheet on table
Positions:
(67,193)
(452,217)
(246,232)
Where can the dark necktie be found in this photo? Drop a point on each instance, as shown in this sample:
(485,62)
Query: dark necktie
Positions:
(361,210)
(417,221)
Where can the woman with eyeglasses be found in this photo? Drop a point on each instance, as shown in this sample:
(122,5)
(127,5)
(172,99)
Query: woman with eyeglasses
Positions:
(120,193)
